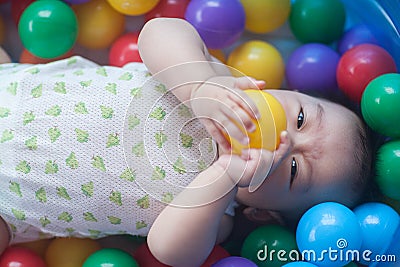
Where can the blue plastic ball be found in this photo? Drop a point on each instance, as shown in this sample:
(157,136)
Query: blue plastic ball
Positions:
(234,261)
(358,34)
(219,22)
(299,264)
(392,255)
(326,232)
(378,223)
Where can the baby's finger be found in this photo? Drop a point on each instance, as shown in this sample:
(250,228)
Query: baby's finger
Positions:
(216,133)
(246,103)
(263,160)
(245,83)
(231,129)
(236,113)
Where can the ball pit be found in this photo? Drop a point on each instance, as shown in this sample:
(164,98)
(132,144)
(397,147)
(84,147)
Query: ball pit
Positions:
(380,27)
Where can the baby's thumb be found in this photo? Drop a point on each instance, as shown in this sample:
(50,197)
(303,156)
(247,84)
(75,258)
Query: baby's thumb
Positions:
(246,82)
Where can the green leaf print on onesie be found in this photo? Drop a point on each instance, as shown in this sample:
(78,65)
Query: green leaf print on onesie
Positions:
(116,197)
(60,88)
(12,88)
(23,167)
(44,221)
(65,216)
(133,121)
(106,112)
(127,76)
(136,92)
(112,88)
(62,192)
(88,189)
(54,134)
(54,111)
(15,188)
(112,140)
(34,70)
(51,167)
(88,216)
(160,88)
(158,173)
(114,220)
(81,135)
(80,108)
(71,61)
(138,149)
(158,113)
(140,225)
(86,84)
(98,163)
(184,111)
(186,139)
(18,214)
(101,71)
(4,112)
(28,117)
(144,202)
(128,175)
(71,161)
(167,197)
(7,135)
(178,166)
(36,92)
(78,73)
(161,138)
(31,143)
(41,195)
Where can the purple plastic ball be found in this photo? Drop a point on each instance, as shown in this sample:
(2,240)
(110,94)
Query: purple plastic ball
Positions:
(359,34)
(219,22)
(312,67)
(234,261)
(76,2)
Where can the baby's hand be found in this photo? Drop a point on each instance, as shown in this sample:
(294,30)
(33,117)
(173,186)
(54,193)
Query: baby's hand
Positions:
(221,105)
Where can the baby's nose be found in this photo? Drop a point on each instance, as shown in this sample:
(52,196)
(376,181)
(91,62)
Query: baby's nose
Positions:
(284,149)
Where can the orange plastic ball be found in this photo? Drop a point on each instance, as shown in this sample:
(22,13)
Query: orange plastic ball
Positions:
(260,60)
(99,24)
(133,7)
(69,252)
(28,58)
(268,127)
(218,54)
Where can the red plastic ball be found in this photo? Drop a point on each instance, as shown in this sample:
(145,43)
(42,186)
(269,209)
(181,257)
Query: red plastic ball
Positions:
(169,9)
(216,254)
(124,50)
(20,257)
(360,65)
(17,7)
(144,257)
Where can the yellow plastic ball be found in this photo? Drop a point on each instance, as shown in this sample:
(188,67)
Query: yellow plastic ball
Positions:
(218,54)
(260,60)
(99,24)
(263,16)
(69,252)
(133,7)
(268,127)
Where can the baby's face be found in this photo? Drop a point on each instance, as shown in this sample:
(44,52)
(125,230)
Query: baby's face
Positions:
(320,163)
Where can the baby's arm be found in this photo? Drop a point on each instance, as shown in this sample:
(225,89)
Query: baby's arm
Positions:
(4,57)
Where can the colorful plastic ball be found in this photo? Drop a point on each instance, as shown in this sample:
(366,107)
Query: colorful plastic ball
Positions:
(320,21)
(28,58)
(76,2)
(99,24)
(234,261)
(268,127)
(325,227)
(68,252)
(299,264)
(216,254)
(110,257)
(392,254)
(20,257)
(37,246)
(17,7)
(360,65)
(260,242)
(260,60)
(133,7)
(380,104)
(312,67)
(168,9)
(124,50)
(218,54)
(387,169)
(2,30)
(356,35)
(219,22)
(379,223)
(144,257)
(263,16)
(48,28)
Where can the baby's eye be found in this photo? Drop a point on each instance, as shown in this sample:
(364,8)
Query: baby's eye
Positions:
(300,119)
(293,171)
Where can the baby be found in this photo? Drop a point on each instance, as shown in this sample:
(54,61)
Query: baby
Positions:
(91,151)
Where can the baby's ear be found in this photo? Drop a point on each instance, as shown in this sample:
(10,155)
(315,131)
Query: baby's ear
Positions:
(263,216)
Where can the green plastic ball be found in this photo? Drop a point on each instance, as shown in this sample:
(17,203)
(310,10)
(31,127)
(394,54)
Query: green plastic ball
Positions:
(264,243)
(388,170)
(48,28)
(319,21)
(110,257)
(380,104)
